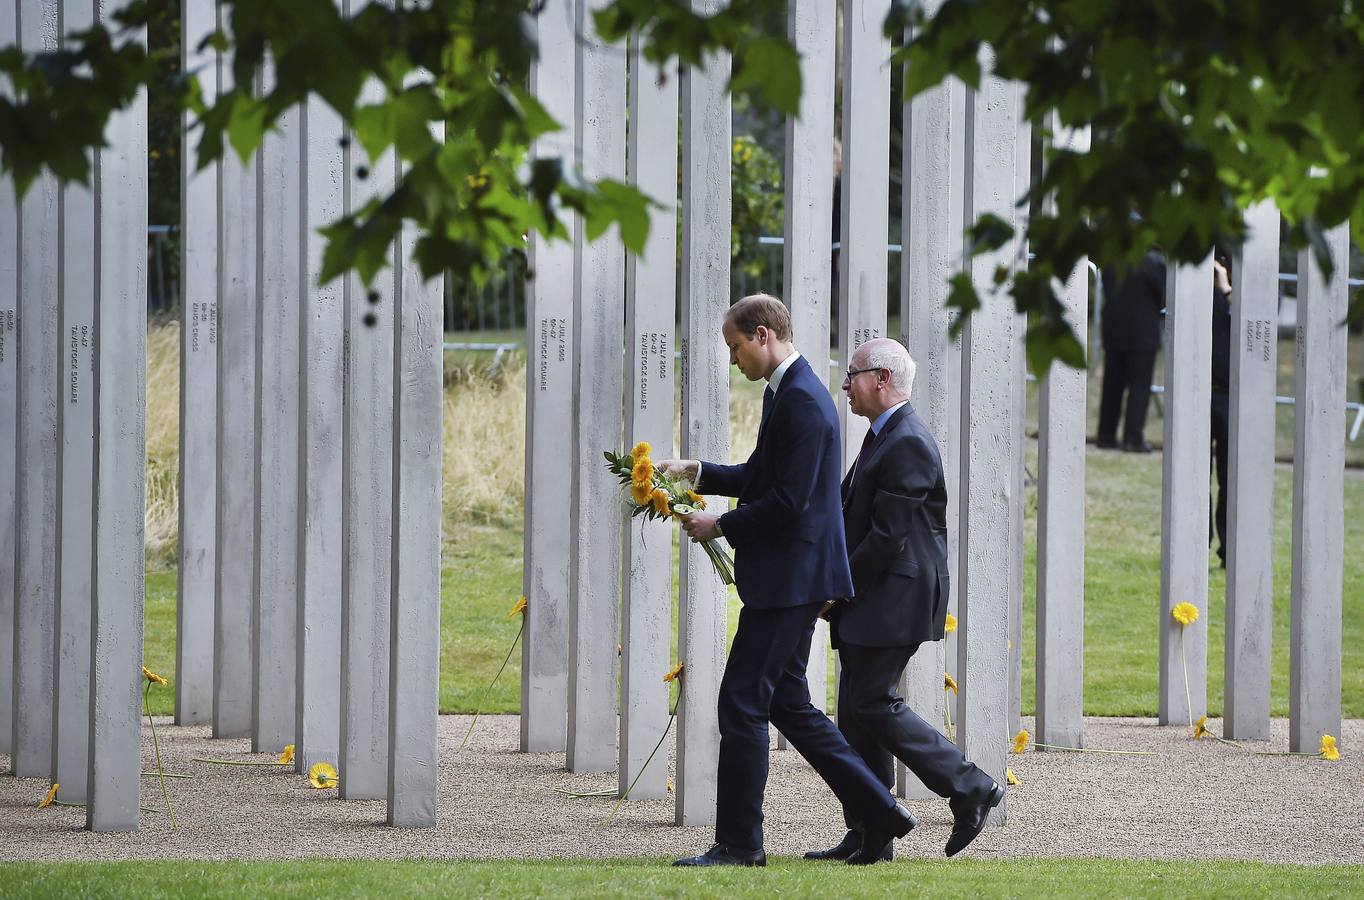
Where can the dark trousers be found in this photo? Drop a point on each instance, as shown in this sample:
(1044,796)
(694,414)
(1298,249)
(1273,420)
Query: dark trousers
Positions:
(1221,446)
(1125,371)
(765,682)
(877,723)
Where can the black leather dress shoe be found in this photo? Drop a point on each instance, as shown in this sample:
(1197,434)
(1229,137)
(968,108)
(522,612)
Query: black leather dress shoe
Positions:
(969,820)
(724,855)
(1105,444)
(878,836)
(1138,447)
(851,843)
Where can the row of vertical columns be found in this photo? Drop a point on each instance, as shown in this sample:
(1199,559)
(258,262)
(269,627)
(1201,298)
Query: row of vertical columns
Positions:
(808,203)
(1184,492)
(704,289)
(1250,487)
(598,328)
(1314,655)
(74,476)
(933,178)
(1061,524)
(988,444)
(550,360)
(650,313)
(299,576)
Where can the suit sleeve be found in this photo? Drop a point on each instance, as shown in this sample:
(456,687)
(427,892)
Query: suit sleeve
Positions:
(726,481)
(905,477)
(800,432)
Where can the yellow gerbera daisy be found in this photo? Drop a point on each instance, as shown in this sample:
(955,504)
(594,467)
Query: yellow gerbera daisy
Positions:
(50,796)
(949,683)
(642,472)
(323,775)
(640,450)
(659,499)
(675,672)
(1021,741)
(696,500)
(640,491)
(1010,777)
(152,676)
(520,607)
(1200,728)
(1328,748)
(951,623)
(1185,613)
(287,756)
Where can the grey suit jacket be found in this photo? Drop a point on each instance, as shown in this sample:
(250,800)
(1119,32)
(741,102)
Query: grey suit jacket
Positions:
(895,518)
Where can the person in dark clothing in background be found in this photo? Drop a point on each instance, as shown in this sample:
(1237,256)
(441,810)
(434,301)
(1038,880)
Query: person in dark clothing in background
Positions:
(1221,392)
(1133,304)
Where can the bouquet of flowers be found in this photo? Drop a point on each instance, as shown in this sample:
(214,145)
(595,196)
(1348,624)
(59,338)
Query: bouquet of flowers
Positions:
(656,496)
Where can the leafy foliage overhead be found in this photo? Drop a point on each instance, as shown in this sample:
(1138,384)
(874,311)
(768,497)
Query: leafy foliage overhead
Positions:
(1196,110)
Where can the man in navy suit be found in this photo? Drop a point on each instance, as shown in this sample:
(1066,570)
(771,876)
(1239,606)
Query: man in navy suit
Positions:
(895,515)
(790,559)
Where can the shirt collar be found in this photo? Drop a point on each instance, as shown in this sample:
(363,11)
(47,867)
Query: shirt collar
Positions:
(885,417)
(774,380)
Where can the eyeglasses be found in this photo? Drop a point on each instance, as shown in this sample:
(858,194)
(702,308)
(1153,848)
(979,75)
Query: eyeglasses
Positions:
(849,375)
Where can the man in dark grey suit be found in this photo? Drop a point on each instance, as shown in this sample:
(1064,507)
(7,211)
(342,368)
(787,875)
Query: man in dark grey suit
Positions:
(895,518)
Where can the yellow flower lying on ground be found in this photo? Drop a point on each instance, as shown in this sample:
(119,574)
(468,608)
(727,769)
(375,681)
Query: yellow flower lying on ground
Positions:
(696,499)
(520,607)
(287,756)
(51,795)
(675,672)
(951,623)
(1021,741)
(1185,613)
(1010,777)
(642,449)
(152,676)
(1328,748)
(949,683)
(1200,728)
(659,499)
(323,775)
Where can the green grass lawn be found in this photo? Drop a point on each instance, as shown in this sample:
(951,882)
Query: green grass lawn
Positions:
(482,580)
(654,878)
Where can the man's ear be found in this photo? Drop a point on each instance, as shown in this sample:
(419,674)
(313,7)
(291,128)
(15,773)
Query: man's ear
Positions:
(760,334)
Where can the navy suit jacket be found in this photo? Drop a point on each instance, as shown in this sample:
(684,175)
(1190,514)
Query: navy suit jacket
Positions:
(787,530)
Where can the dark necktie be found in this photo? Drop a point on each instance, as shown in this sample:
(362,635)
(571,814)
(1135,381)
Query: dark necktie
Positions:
(862,454)
(768,396)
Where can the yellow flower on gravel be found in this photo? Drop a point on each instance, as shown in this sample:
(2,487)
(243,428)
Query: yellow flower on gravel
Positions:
(287,756)
(949,683)
(642,449)
(1021,741)
(323,775)
(1185,613)
(152,676)
(696,500)
(1200,728)
(1328,748)
(1010,777)
(951,623)
(659,499)
(675,672)
(520,607)
(51,795)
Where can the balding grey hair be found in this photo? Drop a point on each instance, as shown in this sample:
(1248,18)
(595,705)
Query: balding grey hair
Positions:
(891,355)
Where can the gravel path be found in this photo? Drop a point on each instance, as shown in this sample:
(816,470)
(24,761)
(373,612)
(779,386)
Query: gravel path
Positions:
(1194,799)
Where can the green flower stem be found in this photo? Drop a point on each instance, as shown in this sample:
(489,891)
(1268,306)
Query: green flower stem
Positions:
(165,775)
(604,792)
(478,710)
(947,713)
(1188,703)
(156,745)
(235,762)
(626,796)
(1095,750)
(1285,753)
